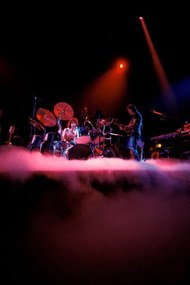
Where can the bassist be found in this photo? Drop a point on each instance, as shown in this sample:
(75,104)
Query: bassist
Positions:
(134,131)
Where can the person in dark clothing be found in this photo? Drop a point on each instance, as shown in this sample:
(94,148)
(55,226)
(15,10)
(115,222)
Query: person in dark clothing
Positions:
(84,118)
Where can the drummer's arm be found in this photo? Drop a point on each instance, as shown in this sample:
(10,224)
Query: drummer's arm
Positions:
(63,134)
(78,134)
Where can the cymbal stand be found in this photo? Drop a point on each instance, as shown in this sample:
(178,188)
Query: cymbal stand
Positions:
(33,129)
(92,146)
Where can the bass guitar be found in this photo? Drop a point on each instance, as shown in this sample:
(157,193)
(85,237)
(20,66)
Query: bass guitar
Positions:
(126,128)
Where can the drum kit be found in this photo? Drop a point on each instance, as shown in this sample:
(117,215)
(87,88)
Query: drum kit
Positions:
(93,144)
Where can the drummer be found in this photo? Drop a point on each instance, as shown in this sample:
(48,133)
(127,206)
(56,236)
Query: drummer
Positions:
(71,132)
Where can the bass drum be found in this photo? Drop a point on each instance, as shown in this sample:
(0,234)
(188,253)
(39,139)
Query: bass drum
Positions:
(79,151)
(109,151)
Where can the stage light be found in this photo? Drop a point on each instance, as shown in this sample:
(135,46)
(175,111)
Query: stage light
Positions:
(159,145)
(121,64)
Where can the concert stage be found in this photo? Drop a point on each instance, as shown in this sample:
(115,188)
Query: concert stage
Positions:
(94,221)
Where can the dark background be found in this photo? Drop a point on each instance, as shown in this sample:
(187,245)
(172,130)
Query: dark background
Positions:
(55,55)
(60,227)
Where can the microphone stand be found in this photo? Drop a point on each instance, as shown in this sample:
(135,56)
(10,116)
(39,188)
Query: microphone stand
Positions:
(32,130)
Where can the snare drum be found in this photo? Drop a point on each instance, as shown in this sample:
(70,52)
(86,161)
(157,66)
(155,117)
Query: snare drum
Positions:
(83,140)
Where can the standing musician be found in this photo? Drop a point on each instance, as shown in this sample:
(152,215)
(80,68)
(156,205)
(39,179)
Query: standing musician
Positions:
(133,129)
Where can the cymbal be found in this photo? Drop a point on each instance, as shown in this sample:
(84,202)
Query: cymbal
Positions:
(63,111)
(46,117)
(36,124)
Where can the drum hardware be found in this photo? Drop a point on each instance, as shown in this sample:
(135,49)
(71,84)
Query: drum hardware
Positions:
(63,111)
(98,140)
(117,144)
(36,124)
(17,140)
(97,137)
(98,152)
(11,132)
(109,152)
(52,137)
(35,143)
(106,122)
(117,135)
(106,149)
(46,117)
(84,131)
(57,148)
(88,129)
(60,148)
(116,147)
(89,122)
(32,129)
(48,144)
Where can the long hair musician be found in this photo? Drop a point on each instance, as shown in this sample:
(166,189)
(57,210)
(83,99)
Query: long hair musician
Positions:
(71,132)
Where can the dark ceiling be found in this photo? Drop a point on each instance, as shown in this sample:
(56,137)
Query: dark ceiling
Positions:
(54,58)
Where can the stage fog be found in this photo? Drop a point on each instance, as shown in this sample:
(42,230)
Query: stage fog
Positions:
(94,221)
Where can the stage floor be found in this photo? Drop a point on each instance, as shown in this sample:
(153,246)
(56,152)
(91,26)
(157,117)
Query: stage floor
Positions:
(94,221)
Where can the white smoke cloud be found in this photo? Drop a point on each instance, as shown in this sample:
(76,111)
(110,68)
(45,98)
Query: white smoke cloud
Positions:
(97,221)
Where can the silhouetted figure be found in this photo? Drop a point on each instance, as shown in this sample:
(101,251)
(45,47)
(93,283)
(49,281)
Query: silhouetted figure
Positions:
(84,118)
